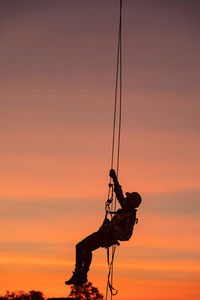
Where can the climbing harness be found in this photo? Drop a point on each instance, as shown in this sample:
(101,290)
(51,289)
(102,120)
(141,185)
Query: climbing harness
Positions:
(110,205)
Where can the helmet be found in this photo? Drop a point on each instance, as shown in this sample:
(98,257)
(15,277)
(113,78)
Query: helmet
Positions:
(134,199)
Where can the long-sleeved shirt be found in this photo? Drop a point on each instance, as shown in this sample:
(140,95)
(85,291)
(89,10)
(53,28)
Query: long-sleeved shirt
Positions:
(123,221)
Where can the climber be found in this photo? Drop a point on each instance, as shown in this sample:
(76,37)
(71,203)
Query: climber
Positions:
(120,228)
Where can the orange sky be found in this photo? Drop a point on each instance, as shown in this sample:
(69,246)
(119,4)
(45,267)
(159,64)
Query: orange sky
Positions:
(56,102)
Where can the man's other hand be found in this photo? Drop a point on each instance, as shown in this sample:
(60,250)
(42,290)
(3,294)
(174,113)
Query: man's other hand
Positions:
(113,174)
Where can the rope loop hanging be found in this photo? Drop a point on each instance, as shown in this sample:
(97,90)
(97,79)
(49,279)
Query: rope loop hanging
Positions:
(110,205)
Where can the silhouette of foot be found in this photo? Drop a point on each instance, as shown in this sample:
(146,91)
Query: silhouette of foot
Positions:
(77,279)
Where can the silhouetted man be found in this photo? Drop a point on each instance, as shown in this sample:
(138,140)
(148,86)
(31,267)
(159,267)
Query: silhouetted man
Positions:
(120,228)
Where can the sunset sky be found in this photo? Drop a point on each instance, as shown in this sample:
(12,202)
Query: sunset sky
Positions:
(57,78)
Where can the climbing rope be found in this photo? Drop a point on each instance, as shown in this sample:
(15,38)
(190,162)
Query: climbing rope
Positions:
(111,202)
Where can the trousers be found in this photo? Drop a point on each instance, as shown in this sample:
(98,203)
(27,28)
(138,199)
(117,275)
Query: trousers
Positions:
(85,248)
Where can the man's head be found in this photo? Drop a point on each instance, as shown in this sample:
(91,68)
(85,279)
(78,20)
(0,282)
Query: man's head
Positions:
(133,200)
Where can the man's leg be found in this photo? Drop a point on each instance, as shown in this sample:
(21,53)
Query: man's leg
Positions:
(87,262)
(84,250)
(84,257)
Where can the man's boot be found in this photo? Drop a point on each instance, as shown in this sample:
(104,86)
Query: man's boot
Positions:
(72,280)
(81,278)
(78,278)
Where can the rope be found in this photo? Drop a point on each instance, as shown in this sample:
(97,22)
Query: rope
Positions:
(117,80)
(118,85)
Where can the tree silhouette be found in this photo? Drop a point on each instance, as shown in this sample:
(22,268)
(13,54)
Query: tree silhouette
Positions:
(85,292)
(32,295)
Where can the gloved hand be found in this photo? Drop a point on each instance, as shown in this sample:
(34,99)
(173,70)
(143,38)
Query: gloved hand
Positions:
(113,174)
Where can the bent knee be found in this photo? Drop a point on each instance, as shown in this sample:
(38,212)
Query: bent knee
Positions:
(80,247)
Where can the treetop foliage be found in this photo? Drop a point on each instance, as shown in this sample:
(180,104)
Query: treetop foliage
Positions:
(20,295)
(85,292)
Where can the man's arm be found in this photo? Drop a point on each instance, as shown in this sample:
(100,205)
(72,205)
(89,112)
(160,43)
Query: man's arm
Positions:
(117,188)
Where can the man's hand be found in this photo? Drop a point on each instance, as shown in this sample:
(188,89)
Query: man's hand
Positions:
(113,174)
